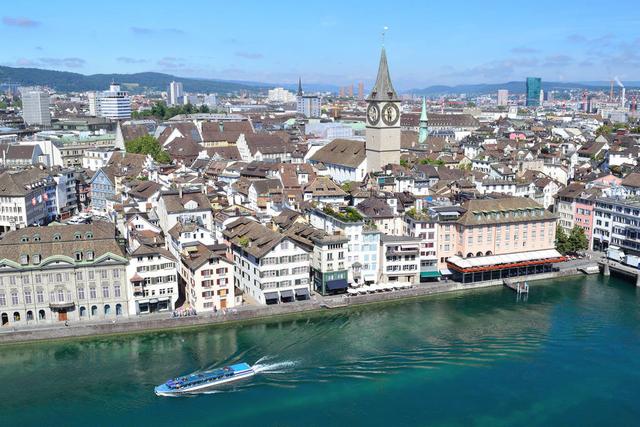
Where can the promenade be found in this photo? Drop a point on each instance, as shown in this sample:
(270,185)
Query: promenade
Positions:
(317,303)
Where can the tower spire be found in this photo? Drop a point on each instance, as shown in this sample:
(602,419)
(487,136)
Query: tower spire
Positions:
(383,89)
(299,86)
(424,123)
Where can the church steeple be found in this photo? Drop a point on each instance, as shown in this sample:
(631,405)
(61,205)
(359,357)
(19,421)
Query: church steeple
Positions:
(424,123)
(383,89)
(299,86)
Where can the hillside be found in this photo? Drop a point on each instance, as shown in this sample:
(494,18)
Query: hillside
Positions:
(512,87)
(65,81)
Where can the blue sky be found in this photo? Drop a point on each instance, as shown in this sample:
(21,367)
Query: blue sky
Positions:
(334,42)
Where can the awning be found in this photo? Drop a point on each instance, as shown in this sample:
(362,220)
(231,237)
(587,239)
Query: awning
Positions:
(426,274)
(153,300)
(302,292)
(497,262)
(333,285)
(270,296)
(163,298)
(143,301)
(446,272)
(288,293)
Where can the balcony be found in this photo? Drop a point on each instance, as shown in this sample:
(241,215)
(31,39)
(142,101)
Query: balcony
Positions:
(60,305)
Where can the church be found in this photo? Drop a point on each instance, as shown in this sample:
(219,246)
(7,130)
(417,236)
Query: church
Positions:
(383,121)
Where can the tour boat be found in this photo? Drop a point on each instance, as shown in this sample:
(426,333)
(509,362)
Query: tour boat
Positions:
(199,381)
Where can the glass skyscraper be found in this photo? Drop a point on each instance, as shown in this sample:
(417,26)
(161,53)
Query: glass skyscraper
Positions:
(534,85)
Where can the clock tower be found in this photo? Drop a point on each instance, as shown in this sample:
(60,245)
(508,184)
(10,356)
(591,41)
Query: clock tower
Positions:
(383,121)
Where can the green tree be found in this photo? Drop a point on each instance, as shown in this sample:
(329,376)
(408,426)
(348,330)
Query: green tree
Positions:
(562,241)
(147,144)
(404,163)
(577,239)
(604,130)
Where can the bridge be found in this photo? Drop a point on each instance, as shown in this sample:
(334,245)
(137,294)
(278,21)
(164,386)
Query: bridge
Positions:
(609,265)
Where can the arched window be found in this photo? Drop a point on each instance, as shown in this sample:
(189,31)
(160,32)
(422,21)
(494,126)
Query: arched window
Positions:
(469,255)
(479,253)
(83,312)
(42,315)
(489,253)
(24,239)
(36,237)
(107,310)
(94,310)
(16,316)
(118,309)
(29,315)
(77,236)
(5,319)
(89,235)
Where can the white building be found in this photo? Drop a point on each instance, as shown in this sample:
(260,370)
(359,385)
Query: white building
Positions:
(208,277)
(362,250)
(280,95)
(35,107)
(211,100)
(269,267)
(114,103)
(503,97)
(92,97)
(400,259)
(175,93)
(25,198)
(184,206)
(96,158)
(153,277)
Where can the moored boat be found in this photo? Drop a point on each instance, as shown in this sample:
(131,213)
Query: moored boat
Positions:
(202,380)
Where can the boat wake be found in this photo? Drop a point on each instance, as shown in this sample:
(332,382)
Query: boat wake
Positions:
(262,366)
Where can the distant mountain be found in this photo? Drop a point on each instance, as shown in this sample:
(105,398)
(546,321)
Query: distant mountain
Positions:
(512,87)
(64,81)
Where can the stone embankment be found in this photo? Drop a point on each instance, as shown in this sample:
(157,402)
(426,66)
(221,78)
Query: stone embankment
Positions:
(317,303)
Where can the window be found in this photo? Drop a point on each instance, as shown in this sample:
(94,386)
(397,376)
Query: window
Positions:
(24,239)
(90,255)
(116,291)
(39,296)
(36,237)
(92,293)
(56,237)
(77,236)
(14,298)
(89,235)
(3,300)
(104,274)
(78,275)
(116,274)
(80,293)
(91,275)
(105,291)
(78,256)
(27,296)
(24,259)
(60,295)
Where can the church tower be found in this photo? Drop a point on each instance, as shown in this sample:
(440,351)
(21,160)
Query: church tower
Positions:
(383,121)
(424,123)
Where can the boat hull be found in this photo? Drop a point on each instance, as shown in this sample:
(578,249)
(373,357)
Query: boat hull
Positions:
(164,390)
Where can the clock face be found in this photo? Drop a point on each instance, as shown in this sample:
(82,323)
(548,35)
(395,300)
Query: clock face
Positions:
(390,114)
(373,114)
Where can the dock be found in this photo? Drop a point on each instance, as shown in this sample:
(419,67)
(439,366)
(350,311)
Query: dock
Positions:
(518,287)
(609,266)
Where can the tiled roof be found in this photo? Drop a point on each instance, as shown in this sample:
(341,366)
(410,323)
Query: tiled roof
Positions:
(342,152)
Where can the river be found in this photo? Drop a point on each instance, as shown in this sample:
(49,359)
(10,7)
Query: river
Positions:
(568,355)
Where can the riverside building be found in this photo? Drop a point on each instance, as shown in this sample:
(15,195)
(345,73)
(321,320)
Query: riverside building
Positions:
(62,273)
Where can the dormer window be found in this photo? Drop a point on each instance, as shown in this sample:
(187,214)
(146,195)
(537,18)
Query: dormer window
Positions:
(77,236)
(90,255)
(24,259)
(78,256)
(89,235)
(24,239)
(56,237)
(36,259)
(36,237)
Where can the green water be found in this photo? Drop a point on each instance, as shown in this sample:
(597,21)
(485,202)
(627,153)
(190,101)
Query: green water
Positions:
(570,355)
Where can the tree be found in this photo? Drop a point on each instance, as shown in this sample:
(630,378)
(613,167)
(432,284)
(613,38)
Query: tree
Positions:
(404,163)
(147,144)
(604,130)
(577,239)
(562,241)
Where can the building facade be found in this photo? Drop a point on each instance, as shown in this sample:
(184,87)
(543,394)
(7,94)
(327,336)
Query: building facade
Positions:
(35,108)
(64,273)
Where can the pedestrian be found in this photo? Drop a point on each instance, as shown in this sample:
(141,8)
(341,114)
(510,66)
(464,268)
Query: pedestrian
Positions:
(66,323)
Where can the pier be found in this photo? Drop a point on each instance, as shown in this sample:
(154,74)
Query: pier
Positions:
(609,266)
(518,287)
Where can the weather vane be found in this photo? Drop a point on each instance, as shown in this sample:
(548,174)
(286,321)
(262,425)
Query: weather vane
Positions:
(384,31)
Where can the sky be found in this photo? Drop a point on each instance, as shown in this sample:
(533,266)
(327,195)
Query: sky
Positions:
(330,42)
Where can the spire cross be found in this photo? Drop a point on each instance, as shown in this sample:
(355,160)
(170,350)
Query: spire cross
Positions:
(384,31)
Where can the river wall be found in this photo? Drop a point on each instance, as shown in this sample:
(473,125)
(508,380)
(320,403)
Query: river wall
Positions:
(162,322)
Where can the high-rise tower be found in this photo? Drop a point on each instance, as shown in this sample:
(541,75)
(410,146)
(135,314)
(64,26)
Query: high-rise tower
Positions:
(383,120)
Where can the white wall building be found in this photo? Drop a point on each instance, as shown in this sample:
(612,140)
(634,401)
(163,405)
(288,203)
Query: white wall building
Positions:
(35,107)
(175,93)
(115,103)
(153,277)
